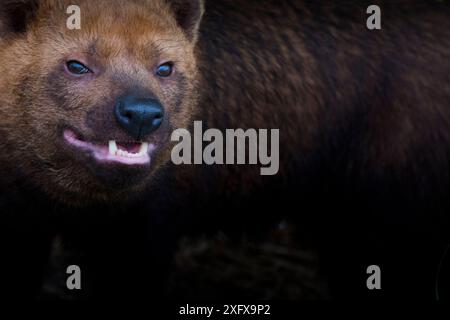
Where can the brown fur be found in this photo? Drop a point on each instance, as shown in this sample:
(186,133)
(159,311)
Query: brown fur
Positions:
(363,115)
(43,100)
(123,42)
(373,99)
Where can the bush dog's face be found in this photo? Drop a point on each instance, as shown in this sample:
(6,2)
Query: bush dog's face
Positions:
(93,109)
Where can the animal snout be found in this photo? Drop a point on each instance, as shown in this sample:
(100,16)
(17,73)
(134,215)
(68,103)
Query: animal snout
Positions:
(139,116)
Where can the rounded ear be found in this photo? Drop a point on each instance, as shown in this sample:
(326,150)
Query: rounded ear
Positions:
(15,15)
(188,14)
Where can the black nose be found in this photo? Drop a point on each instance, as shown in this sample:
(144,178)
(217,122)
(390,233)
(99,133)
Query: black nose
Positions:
(139,116)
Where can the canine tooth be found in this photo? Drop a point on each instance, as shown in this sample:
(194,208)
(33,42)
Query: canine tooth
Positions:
(112,147)
(144,148)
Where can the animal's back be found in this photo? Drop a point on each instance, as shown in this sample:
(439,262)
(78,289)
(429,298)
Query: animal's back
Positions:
(367,102)
(363,117)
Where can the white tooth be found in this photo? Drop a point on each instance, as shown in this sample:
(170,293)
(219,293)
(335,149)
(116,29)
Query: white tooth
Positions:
(115,150)
(144,149)
(112,147)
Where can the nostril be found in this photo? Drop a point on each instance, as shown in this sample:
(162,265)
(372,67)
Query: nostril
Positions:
(128,114)
(122,112)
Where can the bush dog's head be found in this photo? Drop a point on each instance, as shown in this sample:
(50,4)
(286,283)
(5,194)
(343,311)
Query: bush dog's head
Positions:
(87,113)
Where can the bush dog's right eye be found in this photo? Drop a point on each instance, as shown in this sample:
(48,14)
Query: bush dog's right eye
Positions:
(165,70)
(77,67)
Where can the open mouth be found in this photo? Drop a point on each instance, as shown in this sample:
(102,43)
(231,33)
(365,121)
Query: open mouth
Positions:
(134,153)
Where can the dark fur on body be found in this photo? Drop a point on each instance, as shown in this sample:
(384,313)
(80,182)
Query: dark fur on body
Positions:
(364,120)
(365,143)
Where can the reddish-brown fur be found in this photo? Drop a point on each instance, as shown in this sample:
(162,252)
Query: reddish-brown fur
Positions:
(363,115)
(128,39)
(124,42)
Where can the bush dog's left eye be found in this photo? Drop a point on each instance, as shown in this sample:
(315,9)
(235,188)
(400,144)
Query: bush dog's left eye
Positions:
(77,68)
(165,70)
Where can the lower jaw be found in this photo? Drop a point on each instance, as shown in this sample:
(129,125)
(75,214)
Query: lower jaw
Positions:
(111,180)
(109,154)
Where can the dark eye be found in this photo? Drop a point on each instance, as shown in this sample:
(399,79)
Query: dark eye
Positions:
(77,68)
(165,70)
